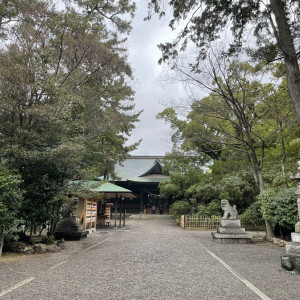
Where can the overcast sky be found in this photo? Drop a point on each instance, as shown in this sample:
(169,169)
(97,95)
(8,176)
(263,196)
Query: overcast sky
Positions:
(151,92)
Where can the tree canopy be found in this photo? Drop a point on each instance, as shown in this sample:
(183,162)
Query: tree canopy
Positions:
(66,97)
(245,119)
(274,24)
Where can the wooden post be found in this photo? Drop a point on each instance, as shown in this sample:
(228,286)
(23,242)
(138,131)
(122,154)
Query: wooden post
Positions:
(120,220)
(116,204)
(141,200)
(124,212)
(84,214)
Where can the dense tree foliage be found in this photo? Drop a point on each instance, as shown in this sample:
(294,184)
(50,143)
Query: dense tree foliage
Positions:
(10,201)
(245,127)
(180,207)
(184,171)
(66,97)
(246,118)
(274,24)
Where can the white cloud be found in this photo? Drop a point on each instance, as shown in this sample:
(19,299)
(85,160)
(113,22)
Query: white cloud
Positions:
(150,91)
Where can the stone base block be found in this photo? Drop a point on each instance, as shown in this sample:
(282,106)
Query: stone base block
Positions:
(290,263)
(71,235)
(230,223)
(295,237)
(234,230)
(77,227)
(293,248)
(17,246)
(223,238)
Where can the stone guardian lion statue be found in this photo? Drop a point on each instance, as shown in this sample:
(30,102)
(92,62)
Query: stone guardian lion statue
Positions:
(230,212)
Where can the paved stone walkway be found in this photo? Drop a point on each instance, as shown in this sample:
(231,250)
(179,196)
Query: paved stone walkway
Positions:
(151,258)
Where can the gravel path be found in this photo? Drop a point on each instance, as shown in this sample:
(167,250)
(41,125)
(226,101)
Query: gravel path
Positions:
(151,258)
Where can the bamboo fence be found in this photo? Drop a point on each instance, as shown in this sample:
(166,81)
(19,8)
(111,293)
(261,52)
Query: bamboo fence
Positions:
(211,223)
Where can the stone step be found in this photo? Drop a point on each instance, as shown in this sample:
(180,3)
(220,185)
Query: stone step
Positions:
(223,238)
(230,223)
(231,235)
(231,230)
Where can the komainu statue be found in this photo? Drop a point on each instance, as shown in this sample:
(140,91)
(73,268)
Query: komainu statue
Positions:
(230,212)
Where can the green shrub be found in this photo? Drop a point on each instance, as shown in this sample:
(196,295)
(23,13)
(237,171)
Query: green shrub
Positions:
(267,206)
(211,209)
(280,206)
(286,211)
(252,215)
(179,208)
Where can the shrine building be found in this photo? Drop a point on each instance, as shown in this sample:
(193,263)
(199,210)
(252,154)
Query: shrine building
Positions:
(142,175)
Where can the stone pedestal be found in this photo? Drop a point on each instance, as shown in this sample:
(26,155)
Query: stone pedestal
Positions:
(69,229)
(290,260)
(231,232)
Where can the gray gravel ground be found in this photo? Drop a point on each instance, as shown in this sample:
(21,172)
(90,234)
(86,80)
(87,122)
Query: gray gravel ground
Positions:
(151,258)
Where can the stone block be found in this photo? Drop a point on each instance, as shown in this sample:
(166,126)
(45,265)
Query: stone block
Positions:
(297,227)
(71,235)
(233,241)
(231,230)
(230,223)
(28,250)
(17,246)
(286,262)
(76,227)
(293,248)
(295,237)
(290,263)
(242,238)
(39,248)
(232,235)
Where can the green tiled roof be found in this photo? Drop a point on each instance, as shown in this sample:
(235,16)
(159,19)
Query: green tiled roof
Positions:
(108,187)
(98,186)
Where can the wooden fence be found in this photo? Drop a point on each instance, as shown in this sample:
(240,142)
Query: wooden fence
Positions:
(211,223)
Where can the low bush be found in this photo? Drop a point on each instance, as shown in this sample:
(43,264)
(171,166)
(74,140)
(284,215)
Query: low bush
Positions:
(179,208)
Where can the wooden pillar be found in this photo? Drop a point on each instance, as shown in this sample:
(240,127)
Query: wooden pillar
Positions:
(84,215)
(124,205)
(142,201)
(120,220)
(116,209)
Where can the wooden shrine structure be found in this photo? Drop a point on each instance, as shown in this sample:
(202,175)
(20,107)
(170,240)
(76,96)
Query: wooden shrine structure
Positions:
(142,175)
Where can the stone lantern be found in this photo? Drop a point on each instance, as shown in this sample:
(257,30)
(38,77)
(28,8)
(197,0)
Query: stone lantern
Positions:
(296,176)
(291,259)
